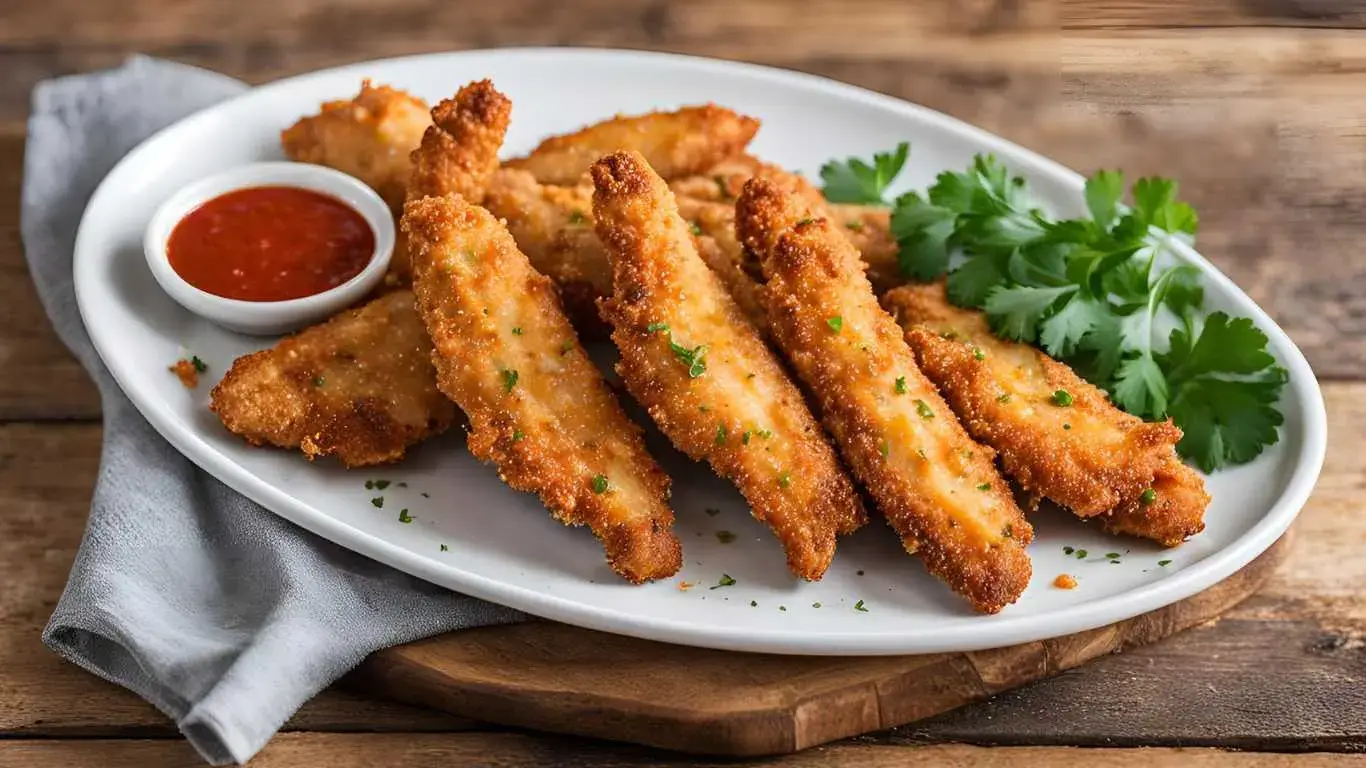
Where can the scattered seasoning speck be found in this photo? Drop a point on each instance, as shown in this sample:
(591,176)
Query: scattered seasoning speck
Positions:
(884,449)
(600,484)
(753,603)
(783,608)
(402,484)
(1004,398)
(1065,581)
(657,327)
(1062,398)
(726,581)
(720,434)
(369,485)
(381,484)
(816,605)
(684,586)
(921,453)
(713,511)
(403,516)
(1164,563)
(1148,497)
(378,502)
(836,323)
(860,607)
(577,217)
(745,437)
(900,386)
(922,408)
(859,572)
(725,537)
(764,433)
(1066,427)
(318,381)
(1111,555)
(978,353)
(1009,531)
(785,480)
(1068,550)
(509,379)
(1081,554)
(856,226)
(984,487)
(566,347)
(426,495)
(199,365)
(805,221)
(517,331)
(696,230)
(518,435)
(445,548)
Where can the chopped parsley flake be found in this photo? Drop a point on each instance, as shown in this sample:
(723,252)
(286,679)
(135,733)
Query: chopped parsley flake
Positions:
(836,323)
(855,225)
(517,331)
(426,495)
(884,449)
(694,358)
(445,548)
(657,327)
(509,379)
(378,502)
(984,487)
(805,221)
(1164,563)
(600,484)
(577,217)
(1062,398)
(566,347)
(783,608)
(923,408)
(764,433)
(1081,554)
(1068,550)
(1004,398)
(753,603)
(726,581)
(745,437)
(403,516)
(1066,427)
(725,537)
(517,435)
(381,484)
(696,230)
(816,604)
(978,353)
(785,480)
(318,381)
(713,511)
(199,365)
(721,434)
(900,386)
(1148,497)
(1111,555)
(860,607)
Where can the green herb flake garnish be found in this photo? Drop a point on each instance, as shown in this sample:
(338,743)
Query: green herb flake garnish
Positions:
(199,365)
(518,435)
(726,581)
(426,495)
(403,516)
(693,228)
(884,448)
(816,604)
(1004,398)
(856,181)
(600,484)
(381,484)
(854,226)
(859,606)
(836,323)
(922,408)
(1066,427)
(1148,497)
(1068,550)
(721,434)
(509,379)
(566,348)
(378,502)
(783,608)
(657,327)
(744,439)
(1111,555)
(517,331)
(900,386)
(753,603)
(1164,563)
(984,487)
(577,217)
(1081,554)
(445,548)
(694,358)
(318,381)
(1062,398)
(978,354)
(712,511)
(725,537)
(785,480)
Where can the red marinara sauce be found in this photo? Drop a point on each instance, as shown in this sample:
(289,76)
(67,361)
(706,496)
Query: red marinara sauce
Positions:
(270,244)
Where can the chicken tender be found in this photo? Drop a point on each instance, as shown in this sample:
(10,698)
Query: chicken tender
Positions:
(869,228)
(938,489)
(553,226)
(679,143)
(369,137)
(1059,437)
(360,387)
(539,409)
(1172,513)
(690,357)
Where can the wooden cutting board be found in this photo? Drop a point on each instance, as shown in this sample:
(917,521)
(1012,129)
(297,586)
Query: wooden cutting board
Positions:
(554,677)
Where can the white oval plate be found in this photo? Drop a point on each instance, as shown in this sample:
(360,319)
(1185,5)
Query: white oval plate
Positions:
(501,545)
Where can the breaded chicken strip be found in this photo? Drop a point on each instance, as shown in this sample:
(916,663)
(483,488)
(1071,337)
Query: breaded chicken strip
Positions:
(678,143)
(539,409)
(553,226)
(1075,448)
(369,137)
(938,489)
(707,379)
(360,386)
(868,227)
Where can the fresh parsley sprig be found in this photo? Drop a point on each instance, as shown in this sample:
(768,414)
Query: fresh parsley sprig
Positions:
(854,181)
(1092,292)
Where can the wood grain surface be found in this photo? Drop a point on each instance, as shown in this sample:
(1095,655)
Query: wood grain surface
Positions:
(1257,106)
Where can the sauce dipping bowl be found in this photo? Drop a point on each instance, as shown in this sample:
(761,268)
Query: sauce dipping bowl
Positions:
(270,317)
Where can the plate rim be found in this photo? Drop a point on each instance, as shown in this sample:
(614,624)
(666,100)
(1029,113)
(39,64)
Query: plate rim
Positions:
(996,631)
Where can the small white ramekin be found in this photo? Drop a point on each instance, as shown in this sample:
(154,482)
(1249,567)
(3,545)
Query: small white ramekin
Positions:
(270,317)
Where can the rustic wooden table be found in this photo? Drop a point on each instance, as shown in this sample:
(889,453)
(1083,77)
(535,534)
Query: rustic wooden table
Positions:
(1257,106)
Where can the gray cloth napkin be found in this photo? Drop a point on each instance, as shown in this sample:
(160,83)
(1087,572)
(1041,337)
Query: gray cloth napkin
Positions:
(223,615)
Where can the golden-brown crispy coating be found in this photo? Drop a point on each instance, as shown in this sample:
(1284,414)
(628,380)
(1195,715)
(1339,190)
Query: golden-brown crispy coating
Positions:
(869,228)
(369,137)
(707,379)
(714,224)
(679,143)
(539,409)
(458,154)
(1089,456)
(360,387)
(1175,513)
(938,489)
(553,226)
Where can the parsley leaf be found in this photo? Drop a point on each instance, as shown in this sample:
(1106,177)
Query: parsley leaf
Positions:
(855,181)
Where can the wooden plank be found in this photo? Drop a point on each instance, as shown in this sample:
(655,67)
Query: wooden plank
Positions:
(346,750)
(1312,613)
(1165,14)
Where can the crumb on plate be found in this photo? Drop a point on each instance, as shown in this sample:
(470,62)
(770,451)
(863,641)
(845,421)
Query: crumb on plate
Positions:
(1065,581)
